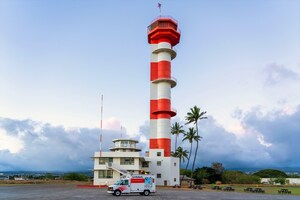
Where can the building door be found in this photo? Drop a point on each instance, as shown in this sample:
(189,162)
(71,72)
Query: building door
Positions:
(165,183)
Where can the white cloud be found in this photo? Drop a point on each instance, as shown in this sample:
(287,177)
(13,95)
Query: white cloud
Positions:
(237,128)
(11,143)
(278,73)
(112,124)
(262,141)
(49,147)
(266,140)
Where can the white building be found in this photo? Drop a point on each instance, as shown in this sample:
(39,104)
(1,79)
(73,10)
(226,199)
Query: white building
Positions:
(288,181)
(124,158)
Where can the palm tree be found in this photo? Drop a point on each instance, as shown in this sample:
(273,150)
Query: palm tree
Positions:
(176,129)
(181,154)
(190,136)
(194,116)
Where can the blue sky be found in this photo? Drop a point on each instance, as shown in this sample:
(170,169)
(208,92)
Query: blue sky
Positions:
(237,60)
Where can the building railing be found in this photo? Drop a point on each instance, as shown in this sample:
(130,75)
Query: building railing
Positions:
(126,145)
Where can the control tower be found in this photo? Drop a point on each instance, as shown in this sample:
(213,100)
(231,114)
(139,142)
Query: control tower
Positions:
(163,35)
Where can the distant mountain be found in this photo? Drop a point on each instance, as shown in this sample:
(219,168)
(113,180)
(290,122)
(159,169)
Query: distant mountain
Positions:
(288,170)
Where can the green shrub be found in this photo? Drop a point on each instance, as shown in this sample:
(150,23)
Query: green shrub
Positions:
(238,177)
(187,172)
(280,180)
(75,177)
(206,175)
(49,176)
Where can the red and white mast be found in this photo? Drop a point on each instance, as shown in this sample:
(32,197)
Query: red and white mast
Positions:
(163,35)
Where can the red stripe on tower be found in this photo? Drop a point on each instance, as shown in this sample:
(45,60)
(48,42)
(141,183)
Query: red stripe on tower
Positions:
(163,35)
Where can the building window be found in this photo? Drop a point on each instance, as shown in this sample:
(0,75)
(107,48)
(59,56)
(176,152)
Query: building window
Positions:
(158,176)
(175,164)
(105,174)
(158,163)
(124,144)
(174,179)
(145,164)
(127,161)
(158,153)
(103,161)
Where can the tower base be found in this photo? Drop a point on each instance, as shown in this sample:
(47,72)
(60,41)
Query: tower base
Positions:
(165,169)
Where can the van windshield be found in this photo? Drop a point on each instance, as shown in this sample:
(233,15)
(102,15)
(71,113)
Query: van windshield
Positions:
(118,182)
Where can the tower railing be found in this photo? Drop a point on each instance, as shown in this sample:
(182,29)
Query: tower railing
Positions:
(162,24)
(164,17)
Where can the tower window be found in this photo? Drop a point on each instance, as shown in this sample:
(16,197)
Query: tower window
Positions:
(158,153)
(158,163)
(158,176)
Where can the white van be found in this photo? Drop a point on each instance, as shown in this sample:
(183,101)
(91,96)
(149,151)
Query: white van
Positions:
(136,183)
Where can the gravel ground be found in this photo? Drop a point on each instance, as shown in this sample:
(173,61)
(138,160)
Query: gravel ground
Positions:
(67,191)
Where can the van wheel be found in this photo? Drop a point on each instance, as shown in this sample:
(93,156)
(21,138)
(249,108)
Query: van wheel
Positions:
(146,192)
(117,193)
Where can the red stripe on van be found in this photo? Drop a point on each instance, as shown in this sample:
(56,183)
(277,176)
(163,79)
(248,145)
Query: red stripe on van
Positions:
(137,180)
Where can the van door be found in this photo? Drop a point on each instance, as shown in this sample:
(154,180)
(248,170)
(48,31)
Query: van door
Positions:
(125,186)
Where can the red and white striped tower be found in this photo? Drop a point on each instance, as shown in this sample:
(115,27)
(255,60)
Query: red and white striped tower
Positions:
(163,35)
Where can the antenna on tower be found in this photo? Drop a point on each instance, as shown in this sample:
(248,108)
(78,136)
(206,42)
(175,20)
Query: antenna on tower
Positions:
(101,125)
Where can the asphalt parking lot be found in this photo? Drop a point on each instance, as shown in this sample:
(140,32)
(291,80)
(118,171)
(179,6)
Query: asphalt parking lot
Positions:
(68,192)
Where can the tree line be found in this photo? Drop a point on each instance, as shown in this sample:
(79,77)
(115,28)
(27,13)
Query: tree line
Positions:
(216,173)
